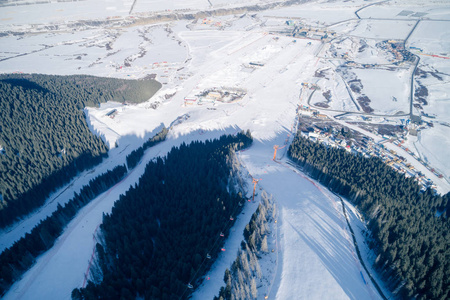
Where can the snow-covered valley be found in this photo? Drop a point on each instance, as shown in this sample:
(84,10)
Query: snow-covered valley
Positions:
(254,57)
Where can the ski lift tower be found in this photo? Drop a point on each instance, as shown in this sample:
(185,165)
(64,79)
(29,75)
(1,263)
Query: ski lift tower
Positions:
(275,148)
(255,182)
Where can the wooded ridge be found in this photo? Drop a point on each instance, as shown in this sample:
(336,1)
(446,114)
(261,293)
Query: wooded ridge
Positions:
(44,137)
(166,230)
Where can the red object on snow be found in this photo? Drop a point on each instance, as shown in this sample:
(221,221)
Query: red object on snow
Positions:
(223,249)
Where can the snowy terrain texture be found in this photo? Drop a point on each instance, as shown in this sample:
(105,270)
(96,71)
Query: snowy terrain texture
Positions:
(229,49)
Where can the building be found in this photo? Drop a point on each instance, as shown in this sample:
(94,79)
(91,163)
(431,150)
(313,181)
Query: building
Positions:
(112,113)
(290,23)
(322,116)
(190,100)
(416,120)
(413,132)
(214,95)
(257,64)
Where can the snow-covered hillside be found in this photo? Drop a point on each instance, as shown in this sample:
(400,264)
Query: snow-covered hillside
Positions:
(254,58)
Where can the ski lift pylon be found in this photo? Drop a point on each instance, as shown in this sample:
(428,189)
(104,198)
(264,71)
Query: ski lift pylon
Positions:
(208,256)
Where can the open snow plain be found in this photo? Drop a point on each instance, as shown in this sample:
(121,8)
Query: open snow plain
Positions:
(256,55)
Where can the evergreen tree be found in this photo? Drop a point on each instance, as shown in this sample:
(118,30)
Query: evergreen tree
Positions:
(409,238)
(18,258)
(44,133)
(158,235)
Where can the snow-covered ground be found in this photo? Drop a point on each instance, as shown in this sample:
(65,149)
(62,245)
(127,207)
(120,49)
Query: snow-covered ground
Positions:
(63,267)
(316,257)
(408,9)
(429,142)
(385,29)
(387,90)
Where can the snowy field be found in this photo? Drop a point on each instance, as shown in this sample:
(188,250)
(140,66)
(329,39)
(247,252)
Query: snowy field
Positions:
(326,14)
(383,29)
(387,90)
(60,12)
(431,142)
(316,256)
(408,9)
(127,53)
(432,38)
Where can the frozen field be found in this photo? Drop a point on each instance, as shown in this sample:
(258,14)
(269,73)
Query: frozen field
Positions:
(388,91)
(408,9)
(316,257)
(383,29)
(60,12)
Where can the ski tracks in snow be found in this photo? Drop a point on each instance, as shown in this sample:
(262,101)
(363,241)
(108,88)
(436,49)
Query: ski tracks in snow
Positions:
(344,226)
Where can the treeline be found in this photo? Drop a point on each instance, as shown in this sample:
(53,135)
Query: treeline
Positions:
(17,259)
(165,231)
(135,156)
(44,136)
(241,283)
(410,229)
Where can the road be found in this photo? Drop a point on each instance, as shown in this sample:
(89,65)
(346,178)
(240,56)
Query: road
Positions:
(356,12)
(412,87)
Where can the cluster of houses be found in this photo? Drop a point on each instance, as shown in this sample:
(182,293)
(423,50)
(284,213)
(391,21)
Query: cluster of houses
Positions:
(358,144)
(211,96)
(396,48)
(306,110)
(400,54)
(316,33)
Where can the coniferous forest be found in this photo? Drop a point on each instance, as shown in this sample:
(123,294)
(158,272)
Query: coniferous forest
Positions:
(44,137)
(135,156)
(165,231)
(240,281)
(18,258)
(410,230)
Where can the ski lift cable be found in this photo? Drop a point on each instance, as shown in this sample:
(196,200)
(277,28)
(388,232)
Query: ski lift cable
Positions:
(231,219)
(211,248)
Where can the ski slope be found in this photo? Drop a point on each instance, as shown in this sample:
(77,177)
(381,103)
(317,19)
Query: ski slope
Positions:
(316,258)
(269,113)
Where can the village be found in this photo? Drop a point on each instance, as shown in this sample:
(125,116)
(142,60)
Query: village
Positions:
(318,127)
